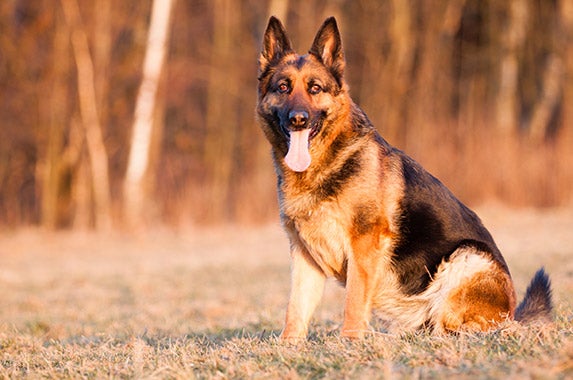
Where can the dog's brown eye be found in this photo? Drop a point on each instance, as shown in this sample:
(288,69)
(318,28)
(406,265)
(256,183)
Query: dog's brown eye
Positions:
(283,88)
(315,89)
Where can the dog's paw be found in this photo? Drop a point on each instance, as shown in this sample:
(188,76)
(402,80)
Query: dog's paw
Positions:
(353,333)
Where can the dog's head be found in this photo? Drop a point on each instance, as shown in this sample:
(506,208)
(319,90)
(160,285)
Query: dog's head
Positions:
(299,95)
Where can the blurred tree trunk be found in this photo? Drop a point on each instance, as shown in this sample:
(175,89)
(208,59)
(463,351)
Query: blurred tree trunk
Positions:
(374,67)
(513,33)
(400,64)
(102,52)
(81,181)
(549,98)
(566,32)
(473,68)
(137,187)
(222,94)
(53,166)
(89,114)
(82,194)
(434,87)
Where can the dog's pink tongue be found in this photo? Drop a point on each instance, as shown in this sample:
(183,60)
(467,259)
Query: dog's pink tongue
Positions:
(298,156)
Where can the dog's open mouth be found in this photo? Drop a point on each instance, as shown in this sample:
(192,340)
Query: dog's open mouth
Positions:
(298,155)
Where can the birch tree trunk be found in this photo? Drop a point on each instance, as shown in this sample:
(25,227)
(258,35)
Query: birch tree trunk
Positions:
(136,185)
(89,114)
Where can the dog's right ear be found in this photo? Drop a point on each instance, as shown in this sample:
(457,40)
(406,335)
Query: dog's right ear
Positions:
(275,44)
(327,47)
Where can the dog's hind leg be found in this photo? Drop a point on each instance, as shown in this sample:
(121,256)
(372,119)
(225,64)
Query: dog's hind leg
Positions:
(307,287)
(470,292)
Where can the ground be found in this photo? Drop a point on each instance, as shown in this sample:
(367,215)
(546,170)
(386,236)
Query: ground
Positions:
(210,302)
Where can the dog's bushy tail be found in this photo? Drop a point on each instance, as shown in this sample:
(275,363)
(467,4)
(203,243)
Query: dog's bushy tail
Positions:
(537,304)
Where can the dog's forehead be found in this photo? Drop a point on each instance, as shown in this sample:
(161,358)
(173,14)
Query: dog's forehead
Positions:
(301,65)
(301,61)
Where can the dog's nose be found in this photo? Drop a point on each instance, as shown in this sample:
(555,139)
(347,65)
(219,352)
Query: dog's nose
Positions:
(298,119)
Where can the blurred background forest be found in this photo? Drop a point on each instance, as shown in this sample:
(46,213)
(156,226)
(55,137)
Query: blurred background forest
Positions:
(479,91)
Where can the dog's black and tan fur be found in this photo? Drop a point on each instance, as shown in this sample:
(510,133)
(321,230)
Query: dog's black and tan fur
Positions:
(357,209)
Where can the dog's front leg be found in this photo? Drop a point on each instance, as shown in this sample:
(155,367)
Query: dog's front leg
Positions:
(360,287)
(306,291)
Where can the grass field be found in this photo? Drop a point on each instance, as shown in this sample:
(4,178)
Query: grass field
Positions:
(209,303)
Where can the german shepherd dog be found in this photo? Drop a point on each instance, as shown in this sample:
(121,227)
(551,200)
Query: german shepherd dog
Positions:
(357,209)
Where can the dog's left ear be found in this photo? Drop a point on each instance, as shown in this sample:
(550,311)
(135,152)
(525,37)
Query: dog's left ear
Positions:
(327,47)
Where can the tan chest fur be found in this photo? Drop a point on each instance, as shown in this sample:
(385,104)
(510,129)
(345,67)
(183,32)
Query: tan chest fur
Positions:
(323,231)
(329,228)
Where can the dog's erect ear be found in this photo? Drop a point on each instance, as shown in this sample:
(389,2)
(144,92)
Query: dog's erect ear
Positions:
(275,44)
(327,47)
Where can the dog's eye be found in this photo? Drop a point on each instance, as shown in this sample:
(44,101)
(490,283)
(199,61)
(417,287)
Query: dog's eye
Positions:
(315,89)
(283,88)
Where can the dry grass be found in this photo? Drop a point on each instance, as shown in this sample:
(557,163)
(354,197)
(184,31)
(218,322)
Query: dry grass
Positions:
(210,304)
